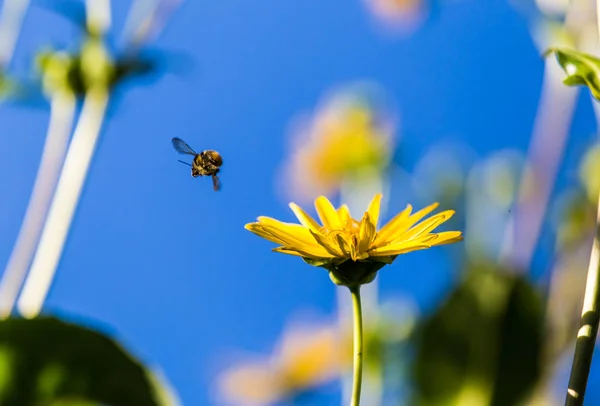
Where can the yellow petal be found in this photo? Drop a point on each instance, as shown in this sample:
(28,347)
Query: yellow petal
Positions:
(259,230)
(294,231)
(344,214)
(287,234)
(426,226)
(346,246)
(305,219)
(397,249)
(429,239)
(448,237)
(389,229)
(276,236)
(366,233)
(401,223)
(300,252)
(327,213)
(329,245)
(374,208)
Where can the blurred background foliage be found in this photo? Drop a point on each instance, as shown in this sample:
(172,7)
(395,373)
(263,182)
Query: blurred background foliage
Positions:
(498,336)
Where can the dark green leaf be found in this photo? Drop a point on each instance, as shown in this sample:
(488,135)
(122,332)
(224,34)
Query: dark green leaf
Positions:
(483,345)
(45,361)
(581,68)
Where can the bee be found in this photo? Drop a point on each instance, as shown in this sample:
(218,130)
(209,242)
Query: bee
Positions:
(206,163)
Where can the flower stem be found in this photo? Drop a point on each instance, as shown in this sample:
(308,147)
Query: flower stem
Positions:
(65,201)
(11,21)
(62,111)
(586,336)
(588,330)
(358,346)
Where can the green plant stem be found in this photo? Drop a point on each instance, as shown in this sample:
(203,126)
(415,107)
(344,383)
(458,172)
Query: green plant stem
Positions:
(588,330)
(586,336)
(358,346)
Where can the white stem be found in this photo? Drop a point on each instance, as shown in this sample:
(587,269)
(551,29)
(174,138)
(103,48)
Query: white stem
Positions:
(598,17)
(11,20)
(590,298)
(60,216)
(137,20)
(62,111)
(146,20)
(548,141)
(98,14)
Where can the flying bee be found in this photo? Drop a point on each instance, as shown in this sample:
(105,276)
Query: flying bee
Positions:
(206,163)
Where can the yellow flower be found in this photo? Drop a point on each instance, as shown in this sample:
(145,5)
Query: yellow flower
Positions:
(353,251)
(304,358)
(350,135)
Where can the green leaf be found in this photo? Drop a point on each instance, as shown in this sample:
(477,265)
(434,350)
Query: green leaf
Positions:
(483,345)
(315,262)
(581,68)
(46,361)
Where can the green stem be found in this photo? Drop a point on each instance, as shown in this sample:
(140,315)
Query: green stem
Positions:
(358,346)
(588,330)
(586,336)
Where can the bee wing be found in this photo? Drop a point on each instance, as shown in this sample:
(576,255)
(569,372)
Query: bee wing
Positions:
(182,147)
(216,183)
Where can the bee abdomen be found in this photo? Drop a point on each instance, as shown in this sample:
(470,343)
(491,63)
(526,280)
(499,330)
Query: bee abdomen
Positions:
(213,157)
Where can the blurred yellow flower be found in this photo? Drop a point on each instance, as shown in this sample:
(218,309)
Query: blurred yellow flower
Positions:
(353,251)
(348,136)
(305,359)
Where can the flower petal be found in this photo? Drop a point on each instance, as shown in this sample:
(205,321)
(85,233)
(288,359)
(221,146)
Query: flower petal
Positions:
(389,229)
(426,226)
(259,230)
(300,253)
(329,245)
(402,222)
(448,237)
(294,231)
(366,233)
(374,208)
(327,213)
(346,246)
(397,249)
(287,234)
(304,218)
(344,214)
(276,236)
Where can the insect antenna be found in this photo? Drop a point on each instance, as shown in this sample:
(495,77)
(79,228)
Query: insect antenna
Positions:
(183,162)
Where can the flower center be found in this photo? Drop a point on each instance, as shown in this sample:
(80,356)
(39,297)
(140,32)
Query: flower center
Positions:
(347,238)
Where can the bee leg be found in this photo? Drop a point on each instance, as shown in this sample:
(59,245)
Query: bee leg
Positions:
(216,183)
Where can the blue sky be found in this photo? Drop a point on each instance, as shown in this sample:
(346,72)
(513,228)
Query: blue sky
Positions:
(162,260)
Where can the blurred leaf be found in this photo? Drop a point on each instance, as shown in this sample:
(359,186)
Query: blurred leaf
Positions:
(45,361)
(581,68)
(576,219)
(483,345)
(6,86)
(589,173)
